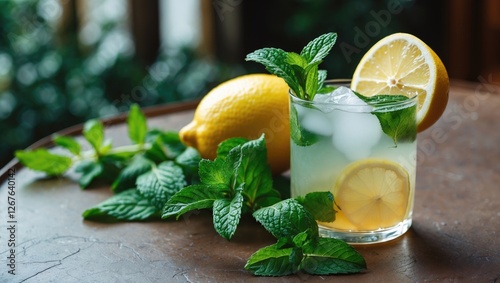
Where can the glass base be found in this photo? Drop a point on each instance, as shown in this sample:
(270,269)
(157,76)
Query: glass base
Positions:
(361,238)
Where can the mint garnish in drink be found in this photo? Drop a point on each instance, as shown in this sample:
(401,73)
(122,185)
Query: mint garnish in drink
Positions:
(398,124)
(298,134)
(300,71)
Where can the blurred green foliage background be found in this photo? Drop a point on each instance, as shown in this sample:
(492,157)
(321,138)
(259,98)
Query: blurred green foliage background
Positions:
(50,81)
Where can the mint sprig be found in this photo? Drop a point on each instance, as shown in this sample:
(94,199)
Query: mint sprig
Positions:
(238,180)
(150,170)
(145,184)
(120,165)
(153,185)
(300,71)
(299,247)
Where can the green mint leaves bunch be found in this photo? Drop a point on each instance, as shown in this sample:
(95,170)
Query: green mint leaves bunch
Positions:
(239,180)
(300,71)
(142,175)
(157,176)
(299,246)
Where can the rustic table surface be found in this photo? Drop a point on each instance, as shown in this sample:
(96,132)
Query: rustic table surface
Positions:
(454,237)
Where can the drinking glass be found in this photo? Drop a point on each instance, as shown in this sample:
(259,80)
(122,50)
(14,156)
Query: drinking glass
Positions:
(364,154)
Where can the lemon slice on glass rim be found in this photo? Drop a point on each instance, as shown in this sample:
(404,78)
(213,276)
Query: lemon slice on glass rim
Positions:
(403,64)
(373,193)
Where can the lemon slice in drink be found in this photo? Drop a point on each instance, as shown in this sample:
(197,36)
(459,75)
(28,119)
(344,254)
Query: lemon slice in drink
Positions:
(373,193)
(403,64)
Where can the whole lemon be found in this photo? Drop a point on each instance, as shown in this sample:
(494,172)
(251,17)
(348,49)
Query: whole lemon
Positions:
(245,106)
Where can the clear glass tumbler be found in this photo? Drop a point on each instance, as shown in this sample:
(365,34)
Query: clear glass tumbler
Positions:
(365,154)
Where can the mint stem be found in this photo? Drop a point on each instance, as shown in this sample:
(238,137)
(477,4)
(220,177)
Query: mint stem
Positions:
(132,149)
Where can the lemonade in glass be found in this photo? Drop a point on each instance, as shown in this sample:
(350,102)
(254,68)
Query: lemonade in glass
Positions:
(360,145)
(364,153)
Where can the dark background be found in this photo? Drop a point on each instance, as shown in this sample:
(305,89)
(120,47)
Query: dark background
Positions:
(50,80)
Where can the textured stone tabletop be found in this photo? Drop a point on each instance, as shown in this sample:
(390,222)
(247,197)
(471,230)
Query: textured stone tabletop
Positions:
(454,237)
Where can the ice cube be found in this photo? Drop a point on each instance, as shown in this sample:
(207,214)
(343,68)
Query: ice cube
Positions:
(317,122)
(355,134)
(339,98)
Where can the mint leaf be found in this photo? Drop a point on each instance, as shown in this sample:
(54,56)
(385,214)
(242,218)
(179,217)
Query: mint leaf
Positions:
(217,172)
(302,238)
(128,176)
(320,205)
(312,81)
(321,79)
(381,99)
(316,50)
(90,171)
(188,160)
(68,143)
(173,144)
(169,142)
(295,59)
(137,127)
(226,146)
(331,256)
(105,168)
(193,197)
(93,131)
(157,151)
(254,171)
(300,74)
(128,205)
(325,90)
(275,61)
(44,161)
(286,218)
(298,134)
(227,214)
(112,164)
(274,261)
(161,183)
(399,124)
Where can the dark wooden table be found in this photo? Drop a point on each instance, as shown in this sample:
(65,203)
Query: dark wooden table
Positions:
(454,237)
